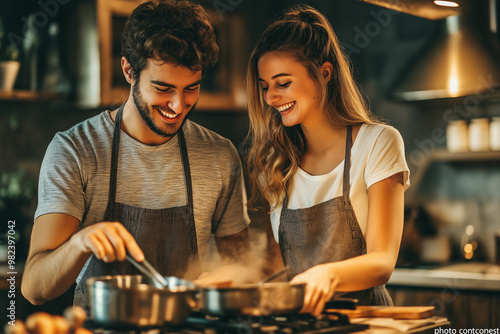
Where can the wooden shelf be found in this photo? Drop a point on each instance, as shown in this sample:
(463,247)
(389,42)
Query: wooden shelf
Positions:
(444,155)
(27,95)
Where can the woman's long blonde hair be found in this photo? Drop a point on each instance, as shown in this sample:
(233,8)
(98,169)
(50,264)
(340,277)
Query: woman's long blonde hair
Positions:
(275,151)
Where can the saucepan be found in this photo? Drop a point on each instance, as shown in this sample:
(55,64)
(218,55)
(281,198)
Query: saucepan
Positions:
(266,299)
(119,300)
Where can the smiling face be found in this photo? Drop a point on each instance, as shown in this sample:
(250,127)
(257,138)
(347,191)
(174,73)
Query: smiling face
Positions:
(163,96)
(288,87)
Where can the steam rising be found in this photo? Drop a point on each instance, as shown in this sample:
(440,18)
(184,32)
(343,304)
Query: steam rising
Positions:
(224,272)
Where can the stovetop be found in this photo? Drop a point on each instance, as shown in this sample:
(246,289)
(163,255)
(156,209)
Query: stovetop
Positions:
(201,324)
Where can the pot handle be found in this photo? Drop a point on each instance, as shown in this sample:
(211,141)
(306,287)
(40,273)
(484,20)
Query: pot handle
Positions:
(342,303)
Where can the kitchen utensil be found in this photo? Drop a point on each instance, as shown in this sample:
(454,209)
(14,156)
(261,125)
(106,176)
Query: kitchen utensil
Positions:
(147,269)
(253,299)
(124,300)
(273,276)
(341,303)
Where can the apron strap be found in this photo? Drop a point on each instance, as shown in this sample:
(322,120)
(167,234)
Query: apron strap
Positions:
(114,155)
(187,169)
(346,186)
(285,200)
(114,160)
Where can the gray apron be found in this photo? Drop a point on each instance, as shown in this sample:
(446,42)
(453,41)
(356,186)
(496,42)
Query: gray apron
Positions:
(166,236)
(326,232)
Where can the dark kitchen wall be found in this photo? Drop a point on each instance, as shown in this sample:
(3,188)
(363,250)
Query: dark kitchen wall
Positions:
(380,43)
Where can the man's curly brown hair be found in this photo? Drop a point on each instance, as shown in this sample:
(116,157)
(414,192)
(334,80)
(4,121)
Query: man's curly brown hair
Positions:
(177,32)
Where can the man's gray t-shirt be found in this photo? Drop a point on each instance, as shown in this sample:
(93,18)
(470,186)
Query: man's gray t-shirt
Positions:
(74,177)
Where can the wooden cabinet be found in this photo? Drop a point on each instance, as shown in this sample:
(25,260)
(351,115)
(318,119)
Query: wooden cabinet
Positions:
(26,95)
(463,308)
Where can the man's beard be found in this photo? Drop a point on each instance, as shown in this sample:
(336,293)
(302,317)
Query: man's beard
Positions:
(147,115)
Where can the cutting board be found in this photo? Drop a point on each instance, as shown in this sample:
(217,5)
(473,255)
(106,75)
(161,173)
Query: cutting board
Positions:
(395,312)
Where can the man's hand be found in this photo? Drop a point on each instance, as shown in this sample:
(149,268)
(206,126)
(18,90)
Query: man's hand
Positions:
(58,252)
(108,241)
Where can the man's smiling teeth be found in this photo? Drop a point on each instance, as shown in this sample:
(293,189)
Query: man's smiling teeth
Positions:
(164,113)
(285,106)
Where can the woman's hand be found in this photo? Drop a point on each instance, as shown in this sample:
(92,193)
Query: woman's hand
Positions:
(320,287)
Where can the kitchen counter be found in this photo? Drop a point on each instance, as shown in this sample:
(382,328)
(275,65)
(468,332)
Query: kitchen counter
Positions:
(466,276)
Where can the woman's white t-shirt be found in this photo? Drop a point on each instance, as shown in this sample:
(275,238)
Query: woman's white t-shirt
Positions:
(377,153)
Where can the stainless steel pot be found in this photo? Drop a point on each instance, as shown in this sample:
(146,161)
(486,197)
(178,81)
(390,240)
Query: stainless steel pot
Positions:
(253,299)
(134,300)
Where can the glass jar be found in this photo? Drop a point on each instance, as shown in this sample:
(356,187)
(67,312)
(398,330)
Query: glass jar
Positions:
(479,138)
(497,248)
(457,136)
(495,134)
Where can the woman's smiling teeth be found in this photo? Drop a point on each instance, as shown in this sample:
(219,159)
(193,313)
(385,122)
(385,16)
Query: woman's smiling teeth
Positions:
(285,107)
(166,114)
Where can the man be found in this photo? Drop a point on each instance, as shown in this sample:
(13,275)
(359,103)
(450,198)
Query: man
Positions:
(141,179)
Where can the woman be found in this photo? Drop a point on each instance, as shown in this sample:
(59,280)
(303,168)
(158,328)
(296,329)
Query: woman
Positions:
(333,175)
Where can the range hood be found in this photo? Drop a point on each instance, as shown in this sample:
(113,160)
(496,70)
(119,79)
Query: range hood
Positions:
(421,8)
(463,56)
